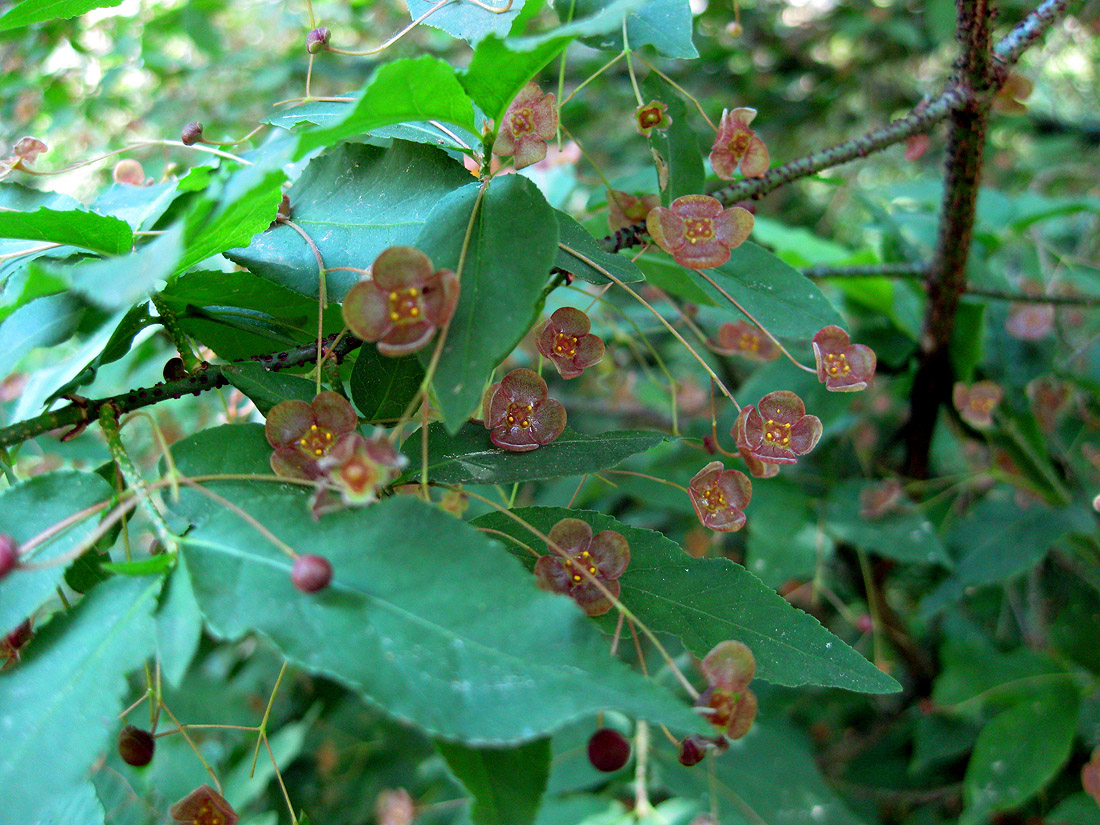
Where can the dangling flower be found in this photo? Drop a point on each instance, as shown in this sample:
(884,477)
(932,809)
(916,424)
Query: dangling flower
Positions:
(720,497)
(204,806)
(603,556)
(977,402)
(737,145)
(518,414)
(729,667)
(530,121)
(779,431)
(841,365)
(697,232)
(358,468)
(303,434)
(565,339)
(628,210)
(650,116)
(404,302)
(744,339)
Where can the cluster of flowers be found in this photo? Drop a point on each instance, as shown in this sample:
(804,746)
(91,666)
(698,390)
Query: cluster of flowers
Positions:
(727,702)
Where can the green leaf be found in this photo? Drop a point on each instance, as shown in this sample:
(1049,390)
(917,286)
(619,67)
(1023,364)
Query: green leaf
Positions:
(30,508)
(467,21)
(663,24)
(506,783)
(87,230)
(267,388)
(118,282)
(354,202)
(40,11)
(680,170)
(419,88)
(1019,751)
(383,387)
(44,322)
(325,113)
(705,601)
(153,565)
(56,706)
(609,18)
(496,73)
(674,279)
(469,457)
(140,206)
(425,617)
(788,304)
(179,625)
(580,240)
(512,246)
(784,538)
(905,535)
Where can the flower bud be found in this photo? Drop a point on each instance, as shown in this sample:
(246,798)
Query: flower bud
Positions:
(317,40)
(192,133)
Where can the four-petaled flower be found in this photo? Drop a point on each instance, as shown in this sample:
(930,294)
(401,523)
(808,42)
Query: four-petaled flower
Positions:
(697,231)
(628,210)
(304,434)
(744,339)
(359,467)
(204,806)
(565,339)
(720,497)
(518,414)
(602,557)
(731,706)
(403,303)
(977,402)
(737,145)
(530,121)
(23,154)
(650,116)
(841,365)
(777,430)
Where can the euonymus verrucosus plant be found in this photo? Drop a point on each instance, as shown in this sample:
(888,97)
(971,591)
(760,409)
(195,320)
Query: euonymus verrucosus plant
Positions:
(404,505)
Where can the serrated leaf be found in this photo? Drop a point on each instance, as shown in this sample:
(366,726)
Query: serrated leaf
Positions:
(905,535)
(496,73)
(705,601)
(53,707)
(512,245)
(267,388)
(425,617)
(784,538)
(43,322)
(419,88)
(30,508)
(41,11)
(663,24)
(87,230)
(469,457)
(605,19)
(468,21)
(506,783)
(354,202)
(383,387)
(573,239)
(119,282)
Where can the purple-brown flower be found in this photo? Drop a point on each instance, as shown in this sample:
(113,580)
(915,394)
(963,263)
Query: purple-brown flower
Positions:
(777,430)
(977,402)
(628,210)
(403,303)
(518,414)
(530,121)
(758,468)
(737,145)
(603,556)
(650,116)
(745,339)
(697,231)
(731,706)
(841,365)
(720,497)
(358,468)
(304,434)
(204,806)
(565,339)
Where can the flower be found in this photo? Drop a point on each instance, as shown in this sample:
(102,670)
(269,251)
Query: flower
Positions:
(744,339)
(916,146)
(737,145)
(977,402)
(697,232)
(604,556)
(650,116)
(758,468)
(23,154)
(303,434)
(729,667)
(628,210)
(403,303)
(841,365)
(530,121)
(777,430)
(880,499)
(1008,99)
(565,339)
(1030,322)
(358,468)
(720,497)
(518,414)
(204,806)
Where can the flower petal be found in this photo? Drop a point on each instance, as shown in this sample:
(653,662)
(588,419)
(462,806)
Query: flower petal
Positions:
(287,421)
(730,665)
(514,438)
(590,350)
(733,226)
(523,386)
(592,600)
(571,321)
(706,476)
(333,413)
(287,462)
(756,161)
(610,554)
(550,574)
(440,295)
(549,421)
(805,434)
(702,255)
(742,116)
(530,149)
(696,206)
(571,535)
(366,311)
(494,406)
(666,228)
(400,267)
(737,488)
(783,406)
(406,338)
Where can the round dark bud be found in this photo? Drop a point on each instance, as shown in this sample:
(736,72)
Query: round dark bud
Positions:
(311,573)
(136,746)
(174,370)
(608,750)
(192,133)
(692,750)
(316,40)
(9,554)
